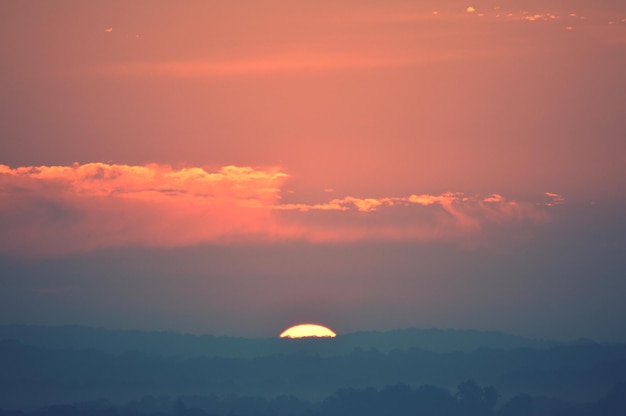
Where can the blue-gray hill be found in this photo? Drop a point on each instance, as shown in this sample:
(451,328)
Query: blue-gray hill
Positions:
(189,345)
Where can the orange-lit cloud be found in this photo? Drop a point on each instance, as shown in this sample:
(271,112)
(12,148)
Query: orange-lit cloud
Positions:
(538,16)
(59,209)
(449,216)
(52,210)
(555,199)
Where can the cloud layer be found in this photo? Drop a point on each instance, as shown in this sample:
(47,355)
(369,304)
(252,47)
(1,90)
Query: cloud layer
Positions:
(55,210)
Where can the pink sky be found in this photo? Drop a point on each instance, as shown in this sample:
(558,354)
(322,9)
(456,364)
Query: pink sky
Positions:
(485,127)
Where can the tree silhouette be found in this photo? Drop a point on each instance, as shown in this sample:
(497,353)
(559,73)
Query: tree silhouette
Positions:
(475,400)
(520,405)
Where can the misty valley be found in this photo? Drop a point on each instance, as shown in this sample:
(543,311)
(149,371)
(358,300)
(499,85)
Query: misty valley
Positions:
(88,371)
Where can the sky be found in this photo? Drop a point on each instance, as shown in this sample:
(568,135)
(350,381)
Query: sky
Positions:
(236,168)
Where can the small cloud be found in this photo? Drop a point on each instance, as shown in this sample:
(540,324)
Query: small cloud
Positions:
(556,199)
(494,198)
(329,190)
(569,28)
(435,13)
(534,17)
(470,9)
(108,29)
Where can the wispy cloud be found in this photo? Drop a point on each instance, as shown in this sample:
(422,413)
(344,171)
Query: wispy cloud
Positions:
(555,199)
(55,210)
(385,36)
(286,62)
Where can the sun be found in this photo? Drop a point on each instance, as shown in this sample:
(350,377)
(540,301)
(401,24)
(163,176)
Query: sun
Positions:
(308,330)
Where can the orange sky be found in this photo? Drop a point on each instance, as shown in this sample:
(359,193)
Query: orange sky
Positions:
(429,130)
(388,98)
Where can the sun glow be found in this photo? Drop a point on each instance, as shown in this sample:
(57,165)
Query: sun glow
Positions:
(307,330)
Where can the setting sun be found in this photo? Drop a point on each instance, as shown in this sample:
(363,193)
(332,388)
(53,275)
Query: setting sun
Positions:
(307,330)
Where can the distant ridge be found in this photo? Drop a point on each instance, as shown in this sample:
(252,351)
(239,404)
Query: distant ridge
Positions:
(189,345)
(441,340)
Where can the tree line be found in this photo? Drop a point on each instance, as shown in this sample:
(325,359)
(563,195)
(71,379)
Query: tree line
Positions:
(470,399)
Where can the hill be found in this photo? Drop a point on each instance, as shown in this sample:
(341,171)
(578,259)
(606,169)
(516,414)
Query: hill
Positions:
(189,345)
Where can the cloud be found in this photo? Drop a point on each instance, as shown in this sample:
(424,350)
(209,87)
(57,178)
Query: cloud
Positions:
(423,218)
(287,63)
(555,199)
(538,16)
(295,62)
(56,210)
(61,209)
